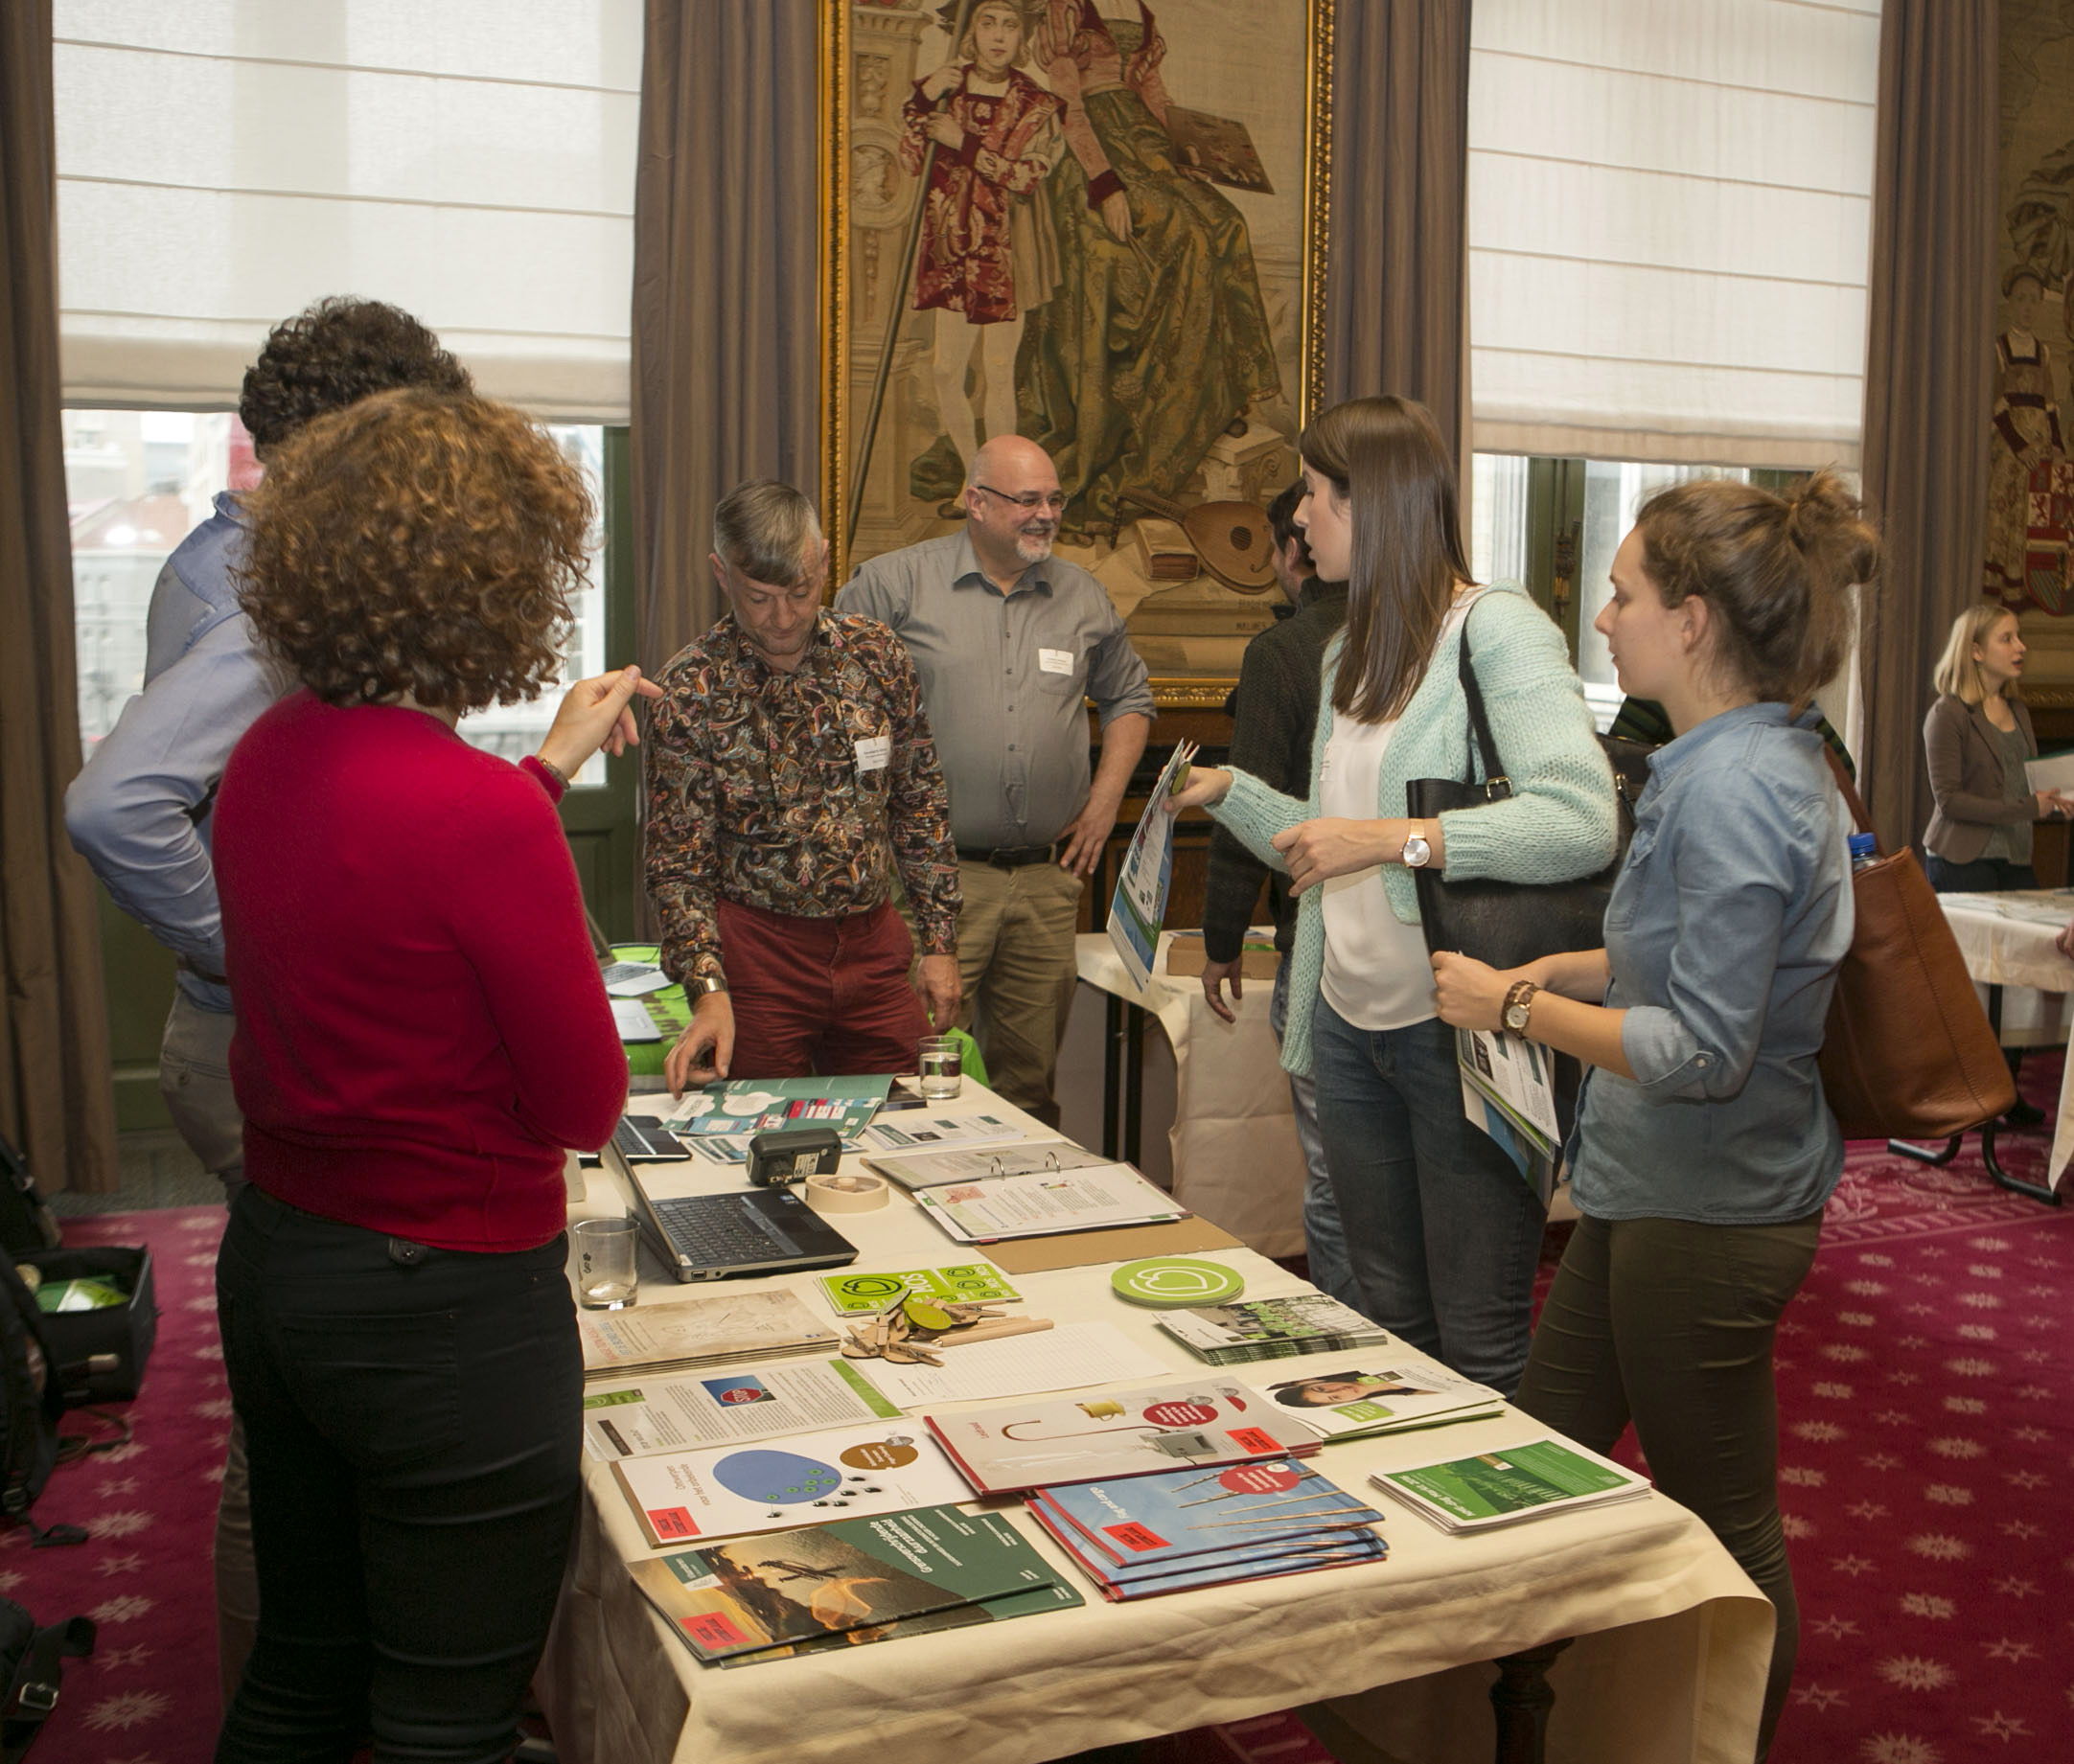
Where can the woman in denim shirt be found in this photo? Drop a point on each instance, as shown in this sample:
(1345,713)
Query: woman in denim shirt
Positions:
(1704,1150)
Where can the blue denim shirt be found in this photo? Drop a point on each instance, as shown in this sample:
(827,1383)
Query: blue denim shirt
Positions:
(1723,934)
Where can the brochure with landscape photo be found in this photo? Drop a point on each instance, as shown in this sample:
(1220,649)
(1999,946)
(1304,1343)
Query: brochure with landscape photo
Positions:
(1534,1481)
(788,1587)
(1272,1328)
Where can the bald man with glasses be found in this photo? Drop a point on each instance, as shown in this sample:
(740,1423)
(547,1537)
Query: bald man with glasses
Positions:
(1009,641)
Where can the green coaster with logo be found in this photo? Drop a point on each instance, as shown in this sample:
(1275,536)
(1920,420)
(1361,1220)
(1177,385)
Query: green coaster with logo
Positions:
(1170,1282)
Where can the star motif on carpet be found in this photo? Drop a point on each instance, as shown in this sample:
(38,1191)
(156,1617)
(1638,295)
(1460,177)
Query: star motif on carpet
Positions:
(1835,1629)
(1821,1432)
(126,1522)
(127,1709)
(2014,1651)
(1903,1378)
(1818,1696)
(119,1565)
(1882,1460)
(1867,1510)
(1853,1566)
(2000,1726)
(2034,1393)
(122,1656)
(111,1486)
(1856,1319)
(1915,1672)
(1971,1366)
(2026,1478)
(1928,1605)
(1835,1391)
(1980,1301)
(1921,1309)
(1912,1344)
(2022,1529)
(2011,1587)
(122,1610)
(1955,1445)
(1966,1405)
(1948,1495)
(1847,1351)
(1899,1748)
(1792,1329)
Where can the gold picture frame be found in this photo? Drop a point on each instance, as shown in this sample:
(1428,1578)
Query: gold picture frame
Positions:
(876,392)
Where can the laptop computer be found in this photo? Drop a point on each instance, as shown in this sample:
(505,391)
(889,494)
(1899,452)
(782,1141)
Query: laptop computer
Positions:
(750,1231)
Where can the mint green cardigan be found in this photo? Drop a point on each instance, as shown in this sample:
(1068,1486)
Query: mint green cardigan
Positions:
(1559,824)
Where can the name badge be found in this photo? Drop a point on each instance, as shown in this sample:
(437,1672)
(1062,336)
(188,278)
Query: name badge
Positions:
(1056,661)
(874,753)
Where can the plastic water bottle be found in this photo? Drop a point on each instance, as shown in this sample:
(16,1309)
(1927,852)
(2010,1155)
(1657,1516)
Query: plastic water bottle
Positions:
(1864,850)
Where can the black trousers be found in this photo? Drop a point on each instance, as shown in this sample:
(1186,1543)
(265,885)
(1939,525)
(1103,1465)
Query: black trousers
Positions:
(1983,875)
(413,1422)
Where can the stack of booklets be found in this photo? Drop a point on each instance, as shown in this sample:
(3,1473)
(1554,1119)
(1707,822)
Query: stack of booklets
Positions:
(1347,1401)
(1271,1328)
(698,1332)
(1020,1445)
(845,1584)
(1185,1528)
(1535,1481)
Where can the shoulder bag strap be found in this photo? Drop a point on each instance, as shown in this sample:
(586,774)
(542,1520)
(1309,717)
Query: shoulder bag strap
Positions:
(1861,819)
(1482,743)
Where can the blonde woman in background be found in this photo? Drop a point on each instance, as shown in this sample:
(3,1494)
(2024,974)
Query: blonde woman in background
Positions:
(1976,738)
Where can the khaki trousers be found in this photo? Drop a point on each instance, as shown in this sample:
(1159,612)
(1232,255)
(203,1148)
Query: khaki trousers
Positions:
(1015,958)
(194,1076)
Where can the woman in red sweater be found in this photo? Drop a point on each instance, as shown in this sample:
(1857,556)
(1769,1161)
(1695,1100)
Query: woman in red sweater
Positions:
(421,1030)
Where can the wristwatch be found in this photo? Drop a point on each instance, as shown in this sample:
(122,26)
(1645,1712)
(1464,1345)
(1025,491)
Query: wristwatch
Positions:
(1416,852)
(1519,1005)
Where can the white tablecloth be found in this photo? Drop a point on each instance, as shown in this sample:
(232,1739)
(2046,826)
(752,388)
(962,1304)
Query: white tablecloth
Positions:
(2007,939)
(1669,1667)
(1236,1157)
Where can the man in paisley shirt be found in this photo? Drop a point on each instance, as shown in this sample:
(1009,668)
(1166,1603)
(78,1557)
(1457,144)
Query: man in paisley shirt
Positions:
(790,771)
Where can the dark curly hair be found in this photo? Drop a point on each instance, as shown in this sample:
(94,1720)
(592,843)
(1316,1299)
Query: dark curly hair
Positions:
(417,543)
(333,354)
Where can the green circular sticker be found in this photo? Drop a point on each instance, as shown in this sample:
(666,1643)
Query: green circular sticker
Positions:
(1172,1281)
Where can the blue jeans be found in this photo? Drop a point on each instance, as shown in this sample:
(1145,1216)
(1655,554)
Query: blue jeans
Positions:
(413,1419)
(1324,1242)
(1983,875)
(1444,1232)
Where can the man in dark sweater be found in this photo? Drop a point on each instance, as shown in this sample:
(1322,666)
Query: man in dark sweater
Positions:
(1274,711)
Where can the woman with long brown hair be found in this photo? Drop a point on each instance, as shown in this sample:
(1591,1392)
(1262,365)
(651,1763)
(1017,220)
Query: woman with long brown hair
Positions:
(1704,1150)
(1442,1231)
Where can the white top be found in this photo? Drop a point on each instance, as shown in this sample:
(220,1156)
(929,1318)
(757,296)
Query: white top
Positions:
(1377,973)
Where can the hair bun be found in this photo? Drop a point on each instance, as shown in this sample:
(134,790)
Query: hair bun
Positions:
(1827,523)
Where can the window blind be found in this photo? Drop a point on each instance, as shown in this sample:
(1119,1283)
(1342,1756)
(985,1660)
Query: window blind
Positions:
(223,163)
(1670,217)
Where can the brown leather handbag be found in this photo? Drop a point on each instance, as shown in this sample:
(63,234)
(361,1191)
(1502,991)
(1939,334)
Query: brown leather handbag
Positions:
(1908,1052)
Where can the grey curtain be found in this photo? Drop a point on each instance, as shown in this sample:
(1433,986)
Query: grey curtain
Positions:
(726,321)
(1928,372)
(1396,289)
(56,1097)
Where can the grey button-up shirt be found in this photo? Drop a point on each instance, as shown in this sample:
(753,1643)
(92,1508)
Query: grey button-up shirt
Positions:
(1723,934)
(1004,677)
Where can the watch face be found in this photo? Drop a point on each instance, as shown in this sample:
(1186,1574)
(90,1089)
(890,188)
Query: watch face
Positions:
(1415,853)
(1515,1018)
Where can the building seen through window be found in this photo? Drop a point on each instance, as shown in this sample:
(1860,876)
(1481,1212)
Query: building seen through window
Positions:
(139,481)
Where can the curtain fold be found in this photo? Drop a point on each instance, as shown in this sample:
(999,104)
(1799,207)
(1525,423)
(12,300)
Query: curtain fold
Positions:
(1930,387)
(57,1096)
(1397,286)
(726,280)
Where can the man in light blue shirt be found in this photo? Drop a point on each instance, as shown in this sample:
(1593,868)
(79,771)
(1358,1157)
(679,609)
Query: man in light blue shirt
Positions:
(140,811)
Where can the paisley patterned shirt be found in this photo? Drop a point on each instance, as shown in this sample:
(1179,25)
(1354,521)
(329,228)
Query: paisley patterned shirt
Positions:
(794,793)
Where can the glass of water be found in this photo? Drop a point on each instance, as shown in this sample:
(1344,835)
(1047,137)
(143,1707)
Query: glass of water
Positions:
(606,1278)
(940,1062)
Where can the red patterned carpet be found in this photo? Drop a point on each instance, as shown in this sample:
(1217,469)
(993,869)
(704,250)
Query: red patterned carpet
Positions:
(1926,1386)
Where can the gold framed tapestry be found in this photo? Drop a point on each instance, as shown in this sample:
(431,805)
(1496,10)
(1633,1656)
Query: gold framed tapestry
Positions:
(1101,223)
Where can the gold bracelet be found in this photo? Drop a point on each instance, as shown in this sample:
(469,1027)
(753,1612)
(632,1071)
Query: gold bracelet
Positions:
(553,770)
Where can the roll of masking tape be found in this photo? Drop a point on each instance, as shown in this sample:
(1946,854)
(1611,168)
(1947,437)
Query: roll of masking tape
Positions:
(845,1194)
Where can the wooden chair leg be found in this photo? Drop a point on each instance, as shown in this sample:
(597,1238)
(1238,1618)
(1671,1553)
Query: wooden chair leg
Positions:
(1522,1699)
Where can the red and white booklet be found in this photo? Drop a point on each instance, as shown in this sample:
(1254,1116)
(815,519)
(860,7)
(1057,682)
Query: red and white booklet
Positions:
(1209,1420)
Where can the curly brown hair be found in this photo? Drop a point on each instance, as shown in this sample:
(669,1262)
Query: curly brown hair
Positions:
(333,354)
(420,544)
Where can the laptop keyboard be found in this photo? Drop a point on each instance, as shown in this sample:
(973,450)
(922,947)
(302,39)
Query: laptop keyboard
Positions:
(646,1138)
(714,1231)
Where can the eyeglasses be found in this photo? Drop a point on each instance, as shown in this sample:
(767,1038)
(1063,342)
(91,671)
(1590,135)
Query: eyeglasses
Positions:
(1032,500)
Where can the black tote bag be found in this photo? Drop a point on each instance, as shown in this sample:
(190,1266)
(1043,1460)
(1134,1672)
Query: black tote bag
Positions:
(1509,924)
